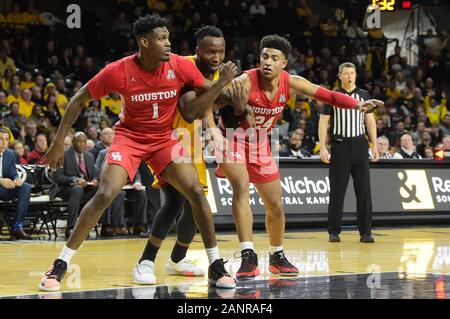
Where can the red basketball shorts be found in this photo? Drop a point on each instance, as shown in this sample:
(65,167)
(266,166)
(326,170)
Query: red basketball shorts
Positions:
(129,148)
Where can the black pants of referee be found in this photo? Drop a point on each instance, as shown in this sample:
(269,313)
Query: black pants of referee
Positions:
(349,156)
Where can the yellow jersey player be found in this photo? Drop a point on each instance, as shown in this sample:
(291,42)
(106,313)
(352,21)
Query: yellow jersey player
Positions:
(210,53)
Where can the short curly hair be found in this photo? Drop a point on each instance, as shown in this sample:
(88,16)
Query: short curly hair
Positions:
(275,41)
(147,23)
(207,30)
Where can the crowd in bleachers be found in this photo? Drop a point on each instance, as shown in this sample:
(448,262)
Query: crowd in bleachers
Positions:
(38,79)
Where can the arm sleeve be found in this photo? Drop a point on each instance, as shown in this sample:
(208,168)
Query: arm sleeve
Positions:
(189,73)
(110,79)
(337,99)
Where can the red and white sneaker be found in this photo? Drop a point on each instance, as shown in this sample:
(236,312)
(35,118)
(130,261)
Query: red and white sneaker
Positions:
(51,281)
(184,267)
(219,277)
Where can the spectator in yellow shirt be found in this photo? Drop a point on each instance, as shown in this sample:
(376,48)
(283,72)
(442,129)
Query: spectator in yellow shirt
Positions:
(6,62)
(32,16)
(15,16)
(27,82)
(6,81)
(61,99)
(112,105)
(25,104)
(435,112)
(15,94)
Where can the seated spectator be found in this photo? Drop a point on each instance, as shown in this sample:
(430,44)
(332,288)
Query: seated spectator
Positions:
(40,147)
(25,103)
(94,114)
(15,94)
(445,125)
(27,82)
(36,95)
(13,120)
(61,99)
(42,122)
(92,133)
(52,111)
(106,138)
(19,150)
(407,149)
(383,147)
(6,62)
(4,107)
(90,145)
(282,126)
(75,182)
(426,141)
(136,194)
(67,143)
(446,142)
(428,152)
(381,129)
(436,135)
(295,146)
(112,105)
(30,134)
(11,186)
(6,80)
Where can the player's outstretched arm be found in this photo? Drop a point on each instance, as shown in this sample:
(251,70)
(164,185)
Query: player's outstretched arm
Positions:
(302,86)
(194,108)
(55,153)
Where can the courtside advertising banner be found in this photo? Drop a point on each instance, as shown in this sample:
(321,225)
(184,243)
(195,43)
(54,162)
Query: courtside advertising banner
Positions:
(306,191)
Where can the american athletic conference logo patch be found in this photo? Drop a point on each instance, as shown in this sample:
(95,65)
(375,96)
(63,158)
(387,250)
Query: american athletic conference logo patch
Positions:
(170,75)
(116,156)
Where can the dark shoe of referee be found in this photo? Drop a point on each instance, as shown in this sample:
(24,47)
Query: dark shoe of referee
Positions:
(349,156)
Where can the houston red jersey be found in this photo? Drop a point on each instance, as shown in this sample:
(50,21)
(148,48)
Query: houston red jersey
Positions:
(149,97)
(267,112)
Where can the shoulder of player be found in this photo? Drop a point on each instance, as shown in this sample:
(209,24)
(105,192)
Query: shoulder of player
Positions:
(245,78)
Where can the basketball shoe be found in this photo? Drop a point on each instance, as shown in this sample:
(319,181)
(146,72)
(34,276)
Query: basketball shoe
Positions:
(184,267)
(279,265)
(218,276)
(249,265)
(51,281)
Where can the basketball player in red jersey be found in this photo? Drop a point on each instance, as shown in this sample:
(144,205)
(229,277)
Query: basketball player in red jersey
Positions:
(149,83)
(266,91)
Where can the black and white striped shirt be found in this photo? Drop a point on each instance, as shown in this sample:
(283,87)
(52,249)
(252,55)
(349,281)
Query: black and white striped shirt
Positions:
(348,123)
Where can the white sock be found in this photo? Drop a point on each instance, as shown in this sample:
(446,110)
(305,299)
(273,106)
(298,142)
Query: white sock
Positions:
(274,249)
(67,254)
(247,245)
(213,254)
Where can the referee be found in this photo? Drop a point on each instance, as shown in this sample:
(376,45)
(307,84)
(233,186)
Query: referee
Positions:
(349,156)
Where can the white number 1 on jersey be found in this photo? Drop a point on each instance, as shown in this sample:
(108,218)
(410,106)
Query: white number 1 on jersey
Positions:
(155,110)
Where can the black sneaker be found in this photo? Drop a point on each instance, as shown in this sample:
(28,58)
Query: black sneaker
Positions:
(366,238)
(334,238)
(218,276)
(51,281)
(279,265)
(249,265)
